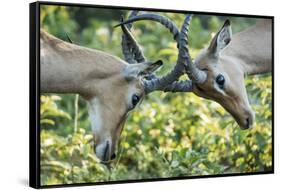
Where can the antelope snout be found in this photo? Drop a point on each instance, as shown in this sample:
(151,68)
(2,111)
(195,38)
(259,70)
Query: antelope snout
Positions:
(247,120)
(105,151)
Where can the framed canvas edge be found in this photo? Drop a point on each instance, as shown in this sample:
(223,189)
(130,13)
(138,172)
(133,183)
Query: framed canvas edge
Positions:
(34,94)
(34,97)
(153,9)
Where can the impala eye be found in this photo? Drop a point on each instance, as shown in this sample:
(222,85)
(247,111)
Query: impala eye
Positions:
(220,81)
(135,99)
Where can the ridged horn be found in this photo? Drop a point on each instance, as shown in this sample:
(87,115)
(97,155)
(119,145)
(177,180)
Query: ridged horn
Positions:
(195,74)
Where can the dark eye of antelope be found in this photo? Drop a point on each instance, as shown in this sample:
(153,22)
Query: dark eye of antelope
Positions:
(220,81)
(135,99)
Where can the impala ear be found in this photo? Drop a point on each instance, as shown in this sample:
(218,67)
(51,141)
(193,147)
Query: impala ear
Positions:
(221,39)
(140,69)
(150,67)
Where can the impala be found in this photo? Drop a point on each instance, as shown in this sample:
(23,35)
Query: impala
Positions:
(112,87)
(218,71)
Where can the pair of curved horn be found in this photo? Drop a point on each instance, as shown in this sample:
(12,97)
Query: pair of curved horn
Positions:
(169,82)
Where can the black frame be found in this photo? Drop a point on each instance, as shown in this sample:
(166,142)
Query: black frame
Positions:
(34,93)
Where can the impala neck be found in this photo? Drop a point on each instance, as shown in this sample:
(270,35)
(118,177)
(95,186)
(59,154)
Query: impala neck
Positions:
(68,68)
(252,48)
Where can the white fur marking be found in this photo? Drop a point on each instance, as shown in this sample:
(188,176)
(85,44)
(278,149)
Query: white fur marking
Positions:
(95,115)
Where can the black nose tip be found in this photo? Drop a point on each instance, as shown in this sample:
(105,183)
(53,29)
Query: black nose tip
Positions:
(247,126)
(113,156)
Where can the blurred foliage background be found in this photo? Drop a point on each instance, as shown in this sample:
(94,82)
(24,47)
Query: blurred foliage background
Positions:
(169,134)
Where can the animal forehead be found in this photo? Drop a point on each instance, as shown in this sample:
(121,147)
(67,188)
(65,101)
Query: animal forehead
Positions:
(117,92)
(132,81)
(204,59)
(138,84)
(135,83)
(118,84)
(214,66)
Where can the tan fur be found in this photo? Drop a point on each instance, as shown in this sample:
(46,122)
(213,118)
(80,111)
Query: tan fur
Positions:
(249,52)
(64,64)
(69,68)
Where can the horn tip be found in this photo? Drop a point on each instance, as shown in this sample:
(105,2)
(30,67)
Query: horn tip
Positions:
(117,25)
(227,22)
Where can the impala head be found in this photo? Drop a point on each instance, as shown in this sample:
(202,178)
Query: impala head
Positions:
(120,89)
(212,76)
(117,94)
(225,79)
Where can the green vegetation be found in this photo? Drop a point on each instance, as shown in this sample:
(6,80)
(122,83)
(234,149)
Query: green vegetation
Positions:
(169,134)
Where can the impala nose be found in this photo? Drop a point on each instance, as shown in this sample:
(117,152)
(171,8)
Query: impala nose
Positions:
(248,122)
(113,156)
(247,126)
(104,151)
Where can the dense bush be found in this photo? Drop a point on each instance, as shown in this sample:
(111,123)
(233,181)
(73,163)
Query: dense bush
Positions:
(169,134)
